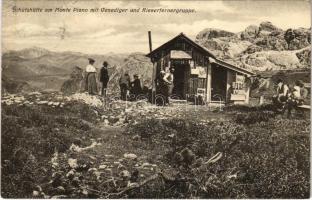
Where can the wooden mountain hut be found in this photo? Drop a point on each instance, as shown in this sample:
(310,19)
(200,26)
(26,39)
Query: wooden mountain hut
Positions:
(199,72)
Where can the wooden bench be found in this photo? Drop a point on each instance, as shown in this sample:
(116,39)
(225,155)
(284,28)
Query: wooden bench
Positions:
(305,107)
(305,110)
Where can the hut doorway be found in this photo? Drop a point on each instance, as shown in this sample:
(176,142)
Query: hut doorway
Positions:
(218,83)
(179,81)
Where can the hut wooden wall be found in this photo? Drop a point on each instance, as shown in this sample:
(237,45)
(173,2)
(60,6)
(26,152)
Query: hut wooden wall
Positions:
(162,58)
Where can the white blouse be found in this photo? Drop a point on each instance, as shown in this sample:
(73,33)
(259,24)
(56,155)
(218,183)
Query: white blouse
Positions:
(168,78)
(90,68)
(296,92)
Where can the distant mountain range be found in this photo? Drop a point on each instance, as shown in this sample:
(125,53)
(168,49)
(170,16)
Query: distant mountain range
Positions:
(47,70)
(259,48)
(38,61)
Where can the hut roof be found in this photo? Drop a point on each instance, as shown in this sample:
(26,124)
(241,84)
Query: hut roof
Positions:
(183,36)
(232,67)
(182,54)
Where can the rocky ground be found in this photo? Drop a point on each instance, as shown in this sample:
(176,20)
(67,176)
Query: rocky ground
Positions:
(82,146)
(114,112)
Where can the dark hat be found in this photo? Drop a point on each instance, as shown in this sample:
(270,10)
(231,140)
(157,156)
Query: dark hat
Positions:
(91,60)
(105,63)
(135,75)
(299,83)
(279,80)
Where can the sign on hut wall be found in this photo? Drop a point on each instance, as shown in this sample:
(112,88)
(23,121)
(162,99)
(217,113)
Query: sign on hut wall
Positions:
(239,88)
(198,65)
(194,71)
(200,71)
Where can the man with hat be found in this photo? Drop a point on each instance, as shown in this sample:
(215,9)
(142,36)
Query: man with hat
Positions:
(104,77)
(91,85)
(136,88)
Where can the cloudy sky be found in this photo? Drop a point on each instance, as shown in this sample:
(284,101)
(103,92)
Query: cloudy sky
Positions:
(102,33)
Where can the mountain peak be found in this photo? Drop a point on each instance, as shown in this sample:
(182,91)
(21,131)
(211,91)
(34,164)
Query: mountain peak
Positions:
(210,33)
(33,52)
(268,26)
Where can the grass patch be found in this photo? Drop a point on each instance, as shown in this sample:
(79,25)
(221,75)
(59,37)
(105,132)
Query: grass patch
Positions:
(267,160)
(30,135)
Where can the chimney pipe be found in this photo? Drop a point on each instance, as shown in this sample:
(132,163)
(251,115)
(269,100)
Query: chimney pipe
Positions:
(150,40)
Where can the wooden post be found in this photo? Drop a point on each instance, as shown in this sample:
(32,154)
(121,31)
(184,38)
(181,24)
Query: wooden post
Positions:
(154,76)
(229,80)
(154,68)
(150,40)
(247,95)
(208,86)
(247,80)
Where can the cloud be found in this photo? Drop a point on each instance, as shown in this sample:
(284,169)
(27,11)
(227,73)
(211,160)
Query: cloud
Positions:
(194,28)
(29,30)
(97,35)
(293,20)
(202,6)
(98,32)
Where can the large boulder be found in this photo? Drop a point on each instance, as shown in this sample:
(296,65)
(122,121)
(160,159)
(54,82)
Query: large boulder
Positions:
(215,46)
(251,32)
(304,57)
(225,47)
(252,49)
(271,43)
(268,27)
(210,33)
(302,39)
(273,60)
(10,85)
(135,63)
(235,49)
(75,83)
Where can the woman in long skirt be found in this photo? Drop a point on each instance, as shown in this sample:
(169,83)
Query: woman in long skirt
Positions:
(91,85)
(91,82)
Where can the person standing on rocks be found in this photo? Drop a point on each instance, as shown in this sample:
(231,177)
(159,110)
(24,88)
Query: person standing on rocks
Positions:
(91,85)
(159,83)
(104,77)
(168,84)
(136,88)
(124,83)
